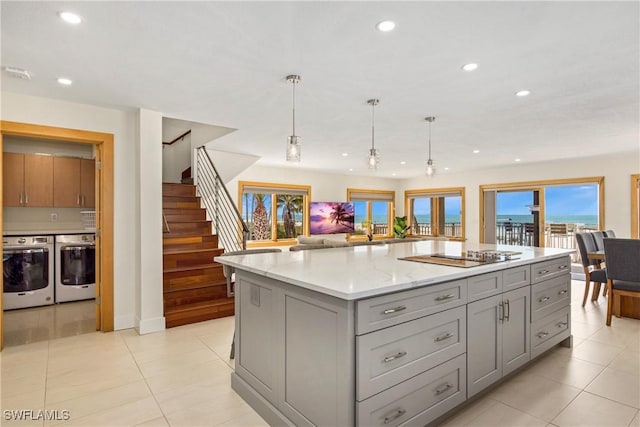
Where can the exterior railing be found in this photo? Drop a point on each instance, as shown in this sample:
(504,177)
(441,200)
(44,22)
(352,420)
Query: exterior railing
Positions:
(225,218)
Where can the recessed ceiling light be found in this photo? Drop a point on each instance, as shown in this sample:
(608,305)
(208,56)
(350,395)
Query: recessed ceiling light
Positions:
(446,169)
(64,81)
(350,169)
(345,154)
(70,17)
(517,160)
(476,151)
(522,93)
(469,67)
(403,162)
(385,26)
(393,174)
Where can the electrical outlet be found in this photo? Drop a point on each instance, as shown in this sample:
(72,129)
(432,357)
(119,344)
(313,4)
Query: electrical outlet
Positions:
(54,216)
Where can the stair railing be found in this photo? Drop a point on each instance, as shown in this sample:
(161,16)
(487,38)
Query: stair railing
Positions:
(225,217)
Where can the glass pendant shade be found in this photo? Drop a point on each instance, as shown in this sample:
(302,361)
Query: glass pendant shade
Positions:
(373,159)
(293,148)
(293,141)
(431,170)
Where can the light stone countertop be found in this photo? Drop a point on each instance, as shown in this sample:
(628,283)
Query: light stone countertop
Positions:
(358,272)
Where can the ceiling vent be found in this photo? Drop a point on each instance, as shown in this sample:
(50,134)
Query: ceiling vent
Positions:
(18,73)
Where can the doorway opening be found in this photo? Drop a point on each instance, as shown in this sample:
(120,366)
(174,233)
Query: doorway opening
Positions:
(103,187)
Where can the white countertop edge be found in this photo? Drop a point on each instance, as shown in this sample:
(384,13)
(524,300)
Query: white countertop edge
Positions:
(453,273)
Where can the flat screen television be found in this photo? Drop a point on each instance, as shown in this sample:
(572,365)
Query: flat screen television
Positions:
(331,217)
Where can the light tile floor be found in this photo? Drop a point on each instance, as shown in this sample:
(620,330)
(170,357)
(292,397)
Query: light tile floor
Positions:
(181,377)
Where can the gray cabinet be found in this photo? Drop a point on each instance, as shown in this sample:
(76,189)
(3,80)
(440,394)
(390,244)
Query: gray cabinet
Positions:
(498,328)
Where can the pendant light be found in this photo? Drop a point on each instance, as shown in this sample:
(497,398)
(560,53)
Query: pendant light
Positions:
(293,141)
(373,153)
(431,170)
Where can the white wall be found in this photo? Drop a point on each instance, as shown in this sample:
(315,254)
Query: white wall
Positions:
(43,111)
(176,158)
(615,168)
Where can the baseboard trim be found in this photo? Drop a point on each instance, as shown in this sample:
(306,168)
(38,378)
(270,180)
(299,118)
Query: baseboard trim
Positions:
(270,413)
(147,326)
(124,322)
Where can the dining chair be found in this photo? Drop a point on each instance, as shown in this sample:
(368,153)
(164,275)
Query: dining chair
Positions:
(623,272)
(592,271)
(609,233)
(229,271)
(599,236)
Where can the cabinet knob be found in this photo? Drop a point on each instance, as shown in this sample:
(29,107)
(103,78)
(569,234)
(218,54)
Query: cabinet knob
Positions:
(543,299)
(542,334)
(562,292)
(543,271)
(562,324)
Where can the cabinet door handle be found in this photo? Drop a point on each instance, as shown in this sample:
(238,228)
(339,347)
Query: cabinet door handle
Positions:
(562,292)
(543,271)
(501,311)
(21,197)
(508,310)
(394,310)
(543,299)
(562,324)
(542,334)
(394,357)
(443,388)
(562,267)
(444,337)
(78,200)
(395,415)
(445,297)
(26,198)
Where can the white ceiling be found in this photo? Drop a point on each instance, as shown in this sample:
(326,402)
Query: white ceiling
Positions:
(224,64)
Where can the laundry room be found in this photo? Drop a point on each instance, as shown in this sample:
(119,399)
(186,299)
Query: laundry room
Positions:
(49,261)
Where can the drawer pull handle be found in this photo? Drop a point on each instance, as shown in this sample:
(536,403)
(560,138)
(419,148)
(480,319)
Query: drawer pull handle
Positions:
(562,292)
(542,334)
(445,297)
(543,299)
(562,267)
(562,324)
(394,357)
(543,271)
(394,310)
(397,414)
(443,388)
(444,337)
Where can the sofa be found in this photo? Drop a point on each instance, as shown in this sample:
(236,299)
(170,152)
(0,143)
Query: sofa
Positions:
(310,243)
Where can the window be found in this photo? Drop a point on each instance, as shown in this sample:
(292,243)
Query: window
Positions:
(436,212)
(374,210)
(274,212)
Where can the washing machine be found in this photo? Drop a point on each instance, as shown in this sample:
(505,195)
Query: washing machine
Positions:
(75,267)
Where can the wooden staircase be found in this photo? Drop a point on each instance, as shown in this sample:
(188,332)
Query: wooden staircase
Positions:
(194,287)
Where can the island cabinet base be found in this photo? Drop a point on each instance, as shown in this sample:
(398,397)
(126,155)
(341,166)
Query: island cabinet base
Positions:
(404,358)
(295,354)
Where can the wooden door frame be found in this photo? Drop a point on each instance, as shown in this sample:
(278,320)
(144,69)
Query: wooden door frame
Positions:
(635,215)
(541,185)
(103,143)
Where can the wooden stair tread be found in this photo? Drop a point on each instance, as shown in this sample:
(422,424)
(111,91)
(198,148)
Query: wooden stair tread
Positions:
(195,286)
(197,306)
(169,251)
(191,267)
(187,233)
(189,221)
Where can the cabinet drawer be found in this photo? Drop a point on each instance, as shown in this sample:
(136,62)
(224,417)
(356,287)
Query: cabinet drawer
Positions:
(545,270)
(388,310)
(419,400)
(484,285)
(549,331)
(386,357)
(516,277)
(549,296)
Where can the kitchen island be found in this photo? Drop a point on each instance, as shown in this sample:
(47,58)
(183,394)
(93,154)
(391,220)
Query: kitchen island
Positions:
(359,336)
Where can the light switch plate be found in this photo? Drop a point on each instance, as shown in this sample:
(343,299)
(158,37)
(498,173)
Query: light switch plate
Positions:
(54,216)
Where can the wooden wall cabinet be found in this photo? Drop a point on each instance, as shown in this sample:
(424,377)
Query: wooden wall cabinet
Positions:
(27,180)
(73,182)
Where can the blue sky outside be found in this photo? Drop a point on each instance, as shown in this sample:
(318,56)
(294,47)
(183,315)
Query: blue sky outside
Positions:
(559,201)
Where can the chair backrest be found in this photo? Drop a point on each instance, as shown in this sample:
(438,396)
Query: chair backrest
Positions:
(623,259)
(586,243)
(599,236)
(609,233)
